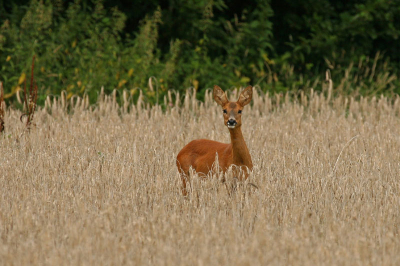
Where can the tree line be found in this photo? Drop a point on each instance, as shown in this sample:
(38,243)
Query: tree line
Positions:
(281,46)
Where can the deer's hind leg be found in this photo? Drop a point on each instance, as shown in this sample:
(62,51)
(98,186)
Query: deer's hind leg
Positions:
(185,179)
(184,175)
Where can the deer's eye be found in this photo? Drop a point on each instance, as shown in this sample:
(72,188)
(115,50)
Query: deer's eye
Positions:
(225,112)
(240,111)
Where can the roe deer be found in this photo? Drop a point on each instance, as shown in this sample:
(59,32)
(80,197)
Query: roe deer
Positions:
(200,154)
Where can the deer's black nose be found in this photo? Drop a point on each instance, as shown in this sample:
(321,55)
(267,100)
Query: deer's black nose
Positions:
(232,122)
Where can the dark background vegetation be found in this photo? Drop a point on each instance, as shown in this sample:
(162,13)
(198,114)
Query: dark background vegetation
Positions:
(280,45)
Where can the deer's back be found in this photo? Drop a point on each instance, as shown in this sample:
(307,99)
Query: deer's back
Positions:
(201,154)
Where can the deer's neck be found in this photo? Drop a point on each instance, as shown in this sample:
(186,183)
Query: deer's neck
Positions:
(240,152)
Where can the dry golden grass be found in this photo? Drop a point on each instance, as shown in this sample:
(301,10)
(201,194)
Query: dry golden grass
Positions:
(99,186)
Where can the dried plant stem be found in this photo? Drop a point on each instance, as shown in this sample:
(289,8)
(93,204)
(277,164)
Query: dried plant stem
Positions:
(2,111)
(346,145)
(30,100)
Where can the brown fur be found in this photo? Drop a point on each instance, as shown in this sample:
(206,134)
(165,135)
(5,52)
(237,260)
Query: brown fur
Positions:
(201,154)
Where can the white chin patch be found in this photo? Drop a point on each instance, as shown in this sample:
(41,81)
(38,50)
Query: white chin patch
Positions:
(231,126)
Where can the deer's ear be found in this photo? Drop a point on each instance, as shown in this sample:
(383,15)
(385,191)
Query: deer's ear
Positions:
(246,96)
(220,96)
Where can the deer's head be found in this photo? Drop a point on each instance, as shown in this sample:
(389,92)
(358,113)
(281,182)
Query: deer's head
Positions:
(233,110)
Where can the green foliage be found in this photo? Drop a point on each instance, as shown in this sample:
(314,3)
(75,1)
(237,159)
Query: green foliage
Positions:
(82,45)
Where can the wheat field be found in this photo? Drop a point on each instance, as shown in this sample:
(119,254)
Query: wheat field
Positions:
(98,185)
